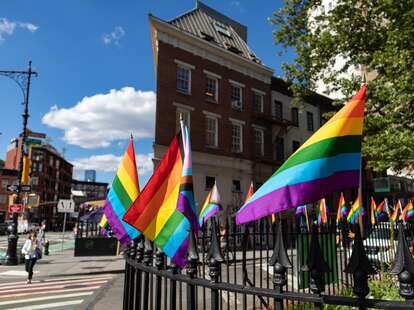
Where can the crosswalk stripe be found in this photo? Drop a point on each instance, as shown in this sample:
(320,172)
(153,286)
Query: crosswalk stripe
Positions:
(22,301)
(51,305)
(58,279)
(46,283)
(54,292)
(29,288)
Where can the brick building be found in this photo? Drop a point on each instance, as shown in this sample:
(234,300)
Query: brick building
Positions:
(7,177)
(50,176)
(207,73)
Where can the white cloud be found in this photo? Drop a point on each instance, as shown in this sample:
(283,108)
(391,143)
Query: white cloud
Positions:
(98,120)
(110,162)
(114,36)
(7,27)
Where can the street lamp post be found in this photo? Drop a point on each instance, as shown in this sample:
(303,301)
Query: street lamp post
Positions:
(22,78)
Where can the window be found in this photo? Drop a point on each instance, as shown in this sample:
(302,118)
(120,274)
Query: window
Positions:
(211,89)
(186,118)
(3,198)
(277,111)
(236,188)
(211,131)
(257,102)
(183,79)
(236,97)
(222,29)
(34,180)
(210,182)
(279,149)
(236,138)
(4,184)
(295,116)
(295,145)
(259,141)
(309,120)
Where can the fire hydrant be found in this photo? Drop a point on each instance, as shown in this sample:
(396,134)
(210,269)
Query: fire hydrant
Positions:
(46,247)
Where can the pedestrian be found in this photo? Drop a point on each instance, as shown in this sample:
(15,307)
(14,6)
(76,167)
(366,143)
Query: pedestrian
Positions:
(42,232)
(31,251)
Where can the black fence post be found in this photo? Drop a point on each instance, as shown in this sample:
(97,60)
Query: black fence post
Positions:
(403,266)
(126,278)
(280,262)
(316,266)
(360,267)
(191,271)
(214,263)
(131,275)
(159,263)
(147,262)
(139,257)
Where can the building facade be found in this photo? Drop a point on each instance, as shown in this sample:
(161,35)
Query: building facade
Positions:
(90,190)
(209,76)
(7,177)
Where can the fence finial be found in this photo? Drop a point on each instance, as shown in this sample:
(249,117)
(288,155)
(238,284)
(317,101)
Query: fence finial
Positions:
(360,266)
(403,266)
(316,265)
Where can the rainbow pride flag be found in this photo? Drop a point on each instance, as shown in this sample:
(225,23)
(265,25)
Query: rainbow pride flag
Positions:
(397,208)
(156,212)
(407,212)
(327,162)
(341,209)
(211,206)
(353,215)
(300,210)
(374,213)
(323,212)
(104,225)
(123,192)
(250,192)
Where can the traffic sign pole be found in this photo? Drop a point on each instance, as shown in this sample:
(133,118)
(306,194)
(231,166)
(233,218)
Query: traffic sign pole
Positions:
(64,227)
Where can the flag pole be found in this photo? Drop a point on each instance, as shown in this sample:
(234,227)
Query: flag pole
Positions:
(306,217)
(361,225)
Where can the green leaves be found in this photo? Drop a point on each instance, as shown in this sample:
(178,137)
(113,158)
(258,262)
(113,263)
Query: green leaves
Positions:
(338,45)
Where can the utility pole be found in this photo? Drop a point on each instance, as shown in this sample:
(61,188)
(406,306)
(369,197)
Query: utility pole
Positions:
(22,78)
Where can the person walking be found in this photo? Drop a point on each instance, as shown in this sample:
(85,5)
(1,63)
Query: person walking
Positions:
(31,250)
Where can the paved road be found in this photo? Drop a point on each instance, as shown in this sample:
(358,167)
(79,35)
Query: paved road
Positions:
(51,293)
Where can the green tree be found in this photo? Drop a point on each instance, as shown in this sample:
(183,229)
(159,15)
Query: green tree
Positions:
(1,163)
(374,35)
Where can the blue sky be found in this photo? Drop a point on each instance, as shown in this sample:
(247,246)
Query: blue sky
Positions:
(84,49)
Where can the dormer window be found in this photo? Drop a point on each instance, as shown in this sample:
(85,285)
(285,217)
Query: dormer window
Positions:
(222,29)
(207,37)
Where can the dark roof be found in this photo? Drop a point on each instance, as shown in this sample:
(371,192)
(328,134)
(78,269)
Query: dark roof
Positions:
(88,182)
(210,25)
(282,86)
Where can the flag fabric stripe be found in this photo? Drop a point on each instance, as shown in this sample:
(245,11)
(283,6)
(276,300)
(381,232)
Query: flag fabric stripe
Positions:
(173,222)
(341,209)
(211,206)
(309,171)
(338,181)
(303,171)
(325,148)
(338,128)
(124,190)
(121,193)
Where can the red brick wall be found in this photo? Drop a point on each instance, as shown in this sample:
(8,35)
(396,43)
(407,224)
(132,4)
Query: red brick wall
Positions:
(167,94)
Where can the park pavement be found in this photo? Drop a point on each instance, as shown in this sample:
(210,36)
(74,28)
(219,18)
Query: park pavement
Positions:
(63,281)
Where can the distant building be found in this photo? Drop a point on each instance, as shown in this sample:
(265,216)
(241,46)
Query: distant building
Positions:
(7,177)
(50,176)
(207,73)
(90,190)
(90,175)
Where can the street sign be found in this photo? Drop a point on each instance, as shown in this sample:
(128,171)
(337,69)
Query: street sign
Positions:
(66,206)
(16,208)
(23,188)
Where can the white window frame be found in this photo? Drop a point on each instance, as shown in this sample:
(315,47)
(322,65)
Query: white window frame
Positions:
(257,129)
(215,79)
(240,126)
(186,66)
(261,96)
(238,106)
(215,119)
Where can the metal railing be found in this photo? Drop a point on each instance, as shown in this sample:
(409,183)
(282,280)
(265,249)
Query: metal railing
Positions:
(267,266)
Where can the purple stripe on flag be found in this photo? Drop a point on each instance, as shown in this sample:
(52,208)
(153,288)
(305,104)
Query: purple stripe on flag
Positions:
(209,213)
(180,257)
(185,208)
(115,224)
(297,194)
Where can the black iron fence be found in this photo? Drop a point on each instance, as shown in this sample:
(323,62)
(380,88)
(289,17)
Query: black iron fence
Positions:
(268,266)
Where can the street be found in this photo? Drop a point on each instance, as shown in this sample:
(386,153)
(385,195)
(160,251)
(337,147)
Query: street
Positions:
(62,281)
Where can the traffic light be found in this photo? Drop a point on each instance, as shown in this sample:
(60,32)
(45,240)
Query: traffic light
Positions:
(26,170)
